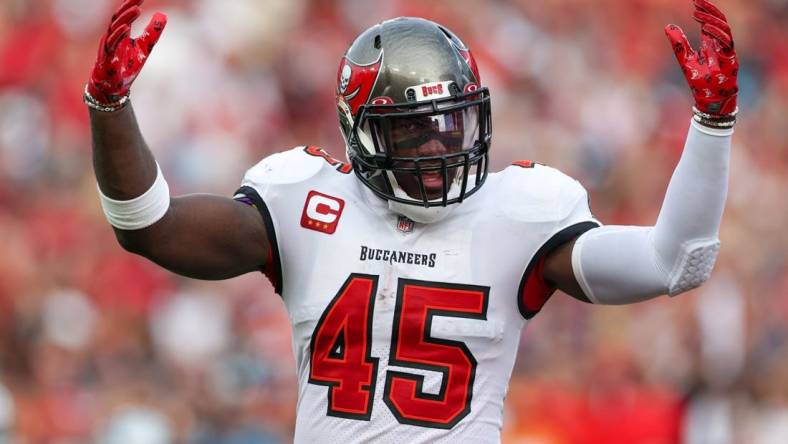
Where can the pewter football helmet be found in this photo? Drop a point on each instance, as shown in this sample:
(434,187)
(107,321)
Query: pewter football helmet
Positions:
(414,115)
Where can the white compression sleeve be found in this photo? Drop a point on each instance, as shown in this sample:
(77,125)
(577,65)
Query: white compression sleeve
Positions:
(621,264)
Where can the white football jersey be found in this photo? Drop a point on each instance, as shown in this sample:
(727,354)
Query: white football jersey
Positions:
(406,332)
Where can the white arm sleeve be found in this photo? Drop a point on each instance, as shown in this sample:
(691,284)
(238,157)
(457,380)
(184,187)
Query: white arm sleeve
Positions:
(625,264)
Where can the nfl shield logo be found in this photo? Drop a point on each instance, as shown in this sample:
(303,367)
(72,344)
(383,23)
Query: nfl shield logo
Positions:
(405,225)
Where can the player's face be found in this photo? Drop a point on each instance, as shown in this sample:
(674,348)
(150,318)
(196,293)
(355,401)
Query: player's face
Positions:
(426,137)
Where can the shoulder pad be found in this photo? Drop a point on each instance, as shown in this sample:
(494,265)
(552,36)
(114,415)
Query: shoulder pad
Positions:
(292,166)
(532,192)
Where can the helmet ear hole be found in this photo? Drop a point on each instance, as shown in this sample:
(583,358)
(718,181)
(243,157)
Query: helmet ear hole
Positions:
(377,43)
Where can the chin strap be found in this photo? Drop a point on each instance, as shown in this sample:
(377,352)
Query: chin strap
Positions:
(420,214)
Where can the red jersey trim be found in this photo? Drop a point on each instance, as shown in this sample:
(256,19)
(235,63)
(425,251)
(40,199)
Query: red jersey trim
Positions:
(273,265)
(524,163)
(534,292)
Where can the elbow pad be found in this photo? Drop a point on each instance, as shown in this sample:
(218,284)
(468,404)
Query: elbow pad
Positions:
(694,266)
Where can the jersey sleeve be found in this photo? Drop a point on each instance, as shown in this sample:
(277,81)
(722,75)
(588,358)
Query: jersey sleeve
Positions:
(557,205)
(265,187)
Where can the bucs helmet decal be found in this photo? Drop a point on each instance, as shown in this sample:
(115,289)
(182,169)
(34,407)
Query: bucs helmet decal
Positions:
(465,52)
(356,81)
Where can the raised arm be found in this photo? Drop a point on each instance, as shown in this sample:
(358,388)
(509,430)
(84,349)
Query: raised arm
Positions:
(201,236)
(624,264)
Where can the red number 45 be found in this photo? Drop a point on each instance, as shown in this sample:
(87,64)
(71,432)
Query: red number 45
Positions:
(342,342)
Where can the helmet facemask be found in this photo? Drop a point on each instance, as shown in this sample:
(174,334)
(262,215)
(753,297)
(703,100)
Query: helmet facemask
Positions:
(424,153)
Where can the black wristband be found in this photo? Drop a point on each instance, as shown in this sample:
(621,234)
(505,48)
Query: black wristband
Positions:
(712,121)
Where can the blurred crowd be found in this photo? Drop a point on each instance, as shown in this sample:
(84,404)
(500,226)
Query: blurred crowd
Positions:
(98,345)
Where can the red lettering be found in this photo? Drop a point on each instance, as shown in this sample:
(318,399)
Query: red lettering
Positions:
(430,90)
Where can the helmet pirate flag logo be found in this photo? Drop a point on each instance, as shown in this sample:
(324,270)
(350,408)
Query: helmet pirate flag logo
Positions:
(355,82)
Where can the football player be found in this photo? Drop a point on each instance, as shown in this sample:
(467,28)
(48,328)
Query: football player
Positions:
(409,273)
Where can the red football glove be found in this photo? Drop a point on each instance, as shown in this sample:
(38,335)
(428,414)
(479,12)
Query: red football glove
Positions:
(711,72)
(120,57)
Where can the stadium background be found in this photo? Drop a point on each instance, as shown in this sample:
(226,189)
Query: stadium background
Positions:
(97,345)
